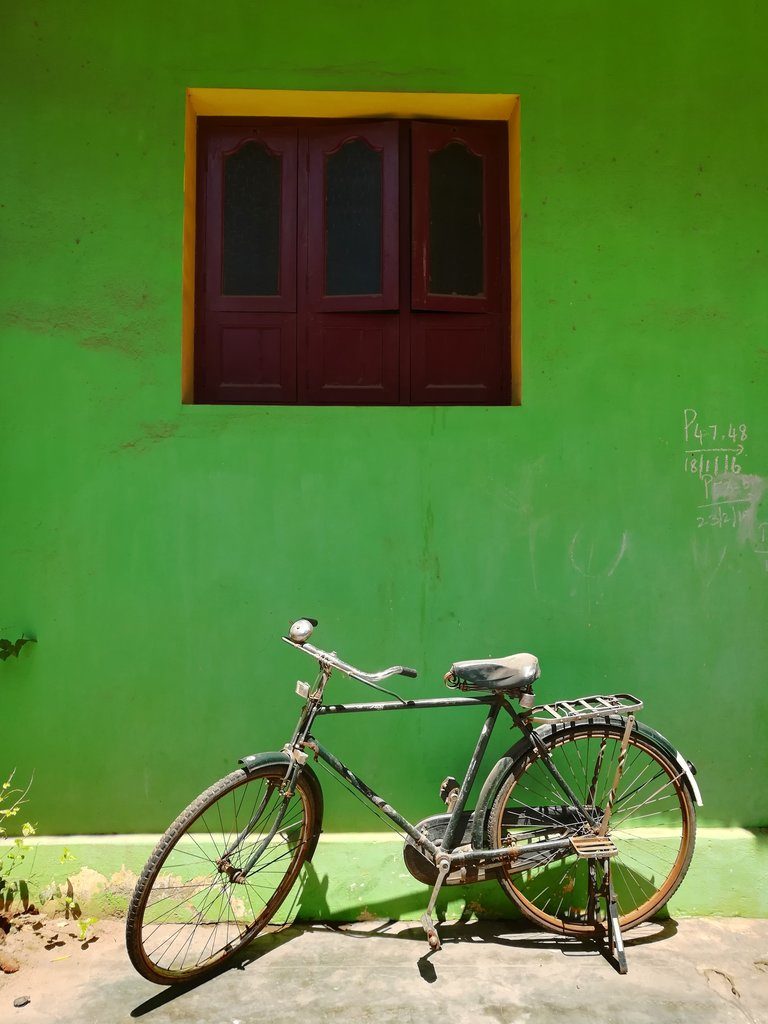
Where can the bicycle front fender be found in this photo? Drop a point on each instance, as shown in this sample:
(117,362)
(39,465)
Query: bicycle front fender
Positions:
(505,765)
(278,759)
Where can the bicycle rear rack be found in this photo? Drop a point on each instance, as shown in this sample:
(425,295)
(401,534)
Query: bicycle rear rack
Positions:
(581,708)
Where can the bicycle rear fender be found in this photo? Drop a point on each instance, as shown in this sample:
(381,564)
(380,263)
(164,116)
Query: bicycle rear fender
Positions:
(504,766)
(277,759)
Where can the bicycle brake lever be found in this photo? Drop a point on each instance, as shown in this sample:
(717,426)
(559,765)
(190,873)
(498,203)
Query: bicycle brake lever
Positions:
(381,689)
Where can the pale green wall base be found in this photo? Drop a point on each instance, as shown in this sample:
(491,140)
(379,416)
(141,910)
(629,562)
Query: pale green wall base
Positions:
(361,875)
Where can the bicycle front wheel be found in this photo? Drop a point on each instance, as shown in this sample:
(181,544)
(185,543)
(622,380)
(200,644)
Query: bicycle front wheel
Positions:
(190,911)
(653,825)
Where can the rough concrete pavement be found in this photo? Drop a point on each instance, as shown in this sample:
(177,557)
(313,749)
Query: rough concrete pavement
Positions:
(695,970)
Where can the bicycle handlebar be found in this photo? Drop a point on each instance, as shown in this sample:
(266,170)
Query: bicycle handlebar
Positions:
(334,661)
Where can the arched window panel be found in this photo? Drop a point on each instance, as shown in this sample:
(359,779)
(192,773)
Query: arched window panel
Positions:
(250,263)
(250,223)
(456,210)
(456,222)
(352,252)
(353,221)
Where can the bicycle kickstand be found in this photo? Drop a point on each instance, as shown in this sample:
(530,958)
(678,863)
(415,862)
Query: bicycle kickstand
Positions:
(604,891)
(443,867)
(615,940)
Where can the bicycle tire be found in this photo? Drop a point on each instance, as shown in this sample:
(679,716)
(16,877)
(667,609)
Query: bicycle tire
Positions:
(654,847)
(173,873)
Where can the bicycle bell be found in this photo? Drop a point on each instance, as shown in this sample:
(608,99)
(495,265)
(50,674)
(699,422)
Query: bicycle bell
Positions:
(301,630)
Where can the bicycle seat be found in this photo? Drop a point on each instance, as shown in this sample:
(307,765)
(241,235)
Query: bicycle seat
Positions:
(513,673)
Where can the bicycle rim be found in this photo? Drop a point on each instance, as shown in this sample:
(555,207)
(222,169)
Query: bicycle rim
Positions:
(652,825)
(189,913)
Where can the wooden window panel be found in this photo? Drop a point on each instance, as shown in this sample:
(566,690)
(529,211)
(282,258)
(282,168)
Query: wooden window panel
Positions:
(309,342)
(327,147)
(227,143)
(250,358)
(246,343)
(438,217)
(349,342)
(351,359)
(456,359)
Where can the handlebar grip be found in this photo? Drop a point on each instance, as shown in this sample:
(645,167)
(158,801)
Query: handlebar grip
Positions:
(410,672)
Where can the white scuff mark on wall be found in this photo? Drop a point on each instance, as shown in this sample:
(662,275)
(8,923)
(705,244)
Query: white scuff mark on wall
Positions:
(583,566)
(706,560)
(745,490)
(532,531)
(620,555)
(737,503)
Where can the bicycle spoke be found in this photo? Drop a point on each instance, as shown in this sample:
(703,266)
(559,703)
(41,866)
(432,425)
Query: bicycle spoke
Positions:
(648,790)
(194,914)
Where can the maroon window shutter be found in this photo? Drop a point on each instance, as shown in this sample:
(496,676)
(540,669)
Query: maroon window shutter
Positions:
(352,234)
(349,238)
(457,215)
(246,294)
(459,347)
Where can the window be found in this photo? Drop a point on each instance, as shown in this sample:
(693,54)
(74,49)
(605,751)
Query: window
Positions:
(352,262)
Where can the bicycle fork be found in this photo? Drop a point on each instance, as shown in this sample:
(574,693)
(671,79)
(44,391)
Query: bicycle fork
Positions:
(297,759)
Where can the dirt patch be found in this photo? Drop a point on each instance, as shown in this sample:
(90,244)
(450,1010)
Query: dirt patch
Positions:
(26,937)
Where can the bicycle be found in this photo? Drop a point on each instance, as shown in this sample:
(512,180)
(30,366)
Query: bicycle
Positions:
(588,822)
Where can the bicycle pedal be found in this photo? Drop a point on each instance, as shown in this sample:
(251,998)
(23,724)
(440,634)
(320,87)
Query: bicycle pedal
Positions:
(432,937)
(596,847)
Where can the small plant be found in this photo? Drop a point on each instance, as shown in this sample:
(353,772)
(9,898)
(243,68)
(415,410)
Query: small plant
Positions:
(84,925)
(12,856)
(11,648)
(15,901)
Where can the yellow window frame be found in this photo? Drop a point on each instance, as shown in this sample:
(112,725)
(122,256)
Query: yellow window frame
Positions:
(301,103)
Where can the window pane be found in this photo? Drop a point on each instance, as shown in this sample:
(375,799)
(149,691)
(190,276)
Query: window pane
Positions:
(353,184)
(455,221)
(251,243)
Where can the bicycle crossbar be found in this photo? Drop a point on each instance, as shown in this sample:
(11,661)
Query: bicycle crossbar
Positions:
(409,705)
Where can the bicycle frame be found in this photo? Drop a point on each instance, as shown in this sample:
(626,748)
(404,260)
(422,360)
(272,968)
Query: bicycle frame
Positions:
(520,821)
(304,742)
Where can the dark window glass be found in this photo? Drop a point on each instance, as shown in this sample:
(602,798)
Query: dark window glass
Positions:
(455,221)
(251,243)
(353,183)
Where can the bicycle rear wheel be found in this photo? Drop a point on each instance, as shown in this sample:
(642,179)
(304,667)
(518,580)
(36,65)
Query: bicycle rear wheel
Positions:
(653,825)
(189,912)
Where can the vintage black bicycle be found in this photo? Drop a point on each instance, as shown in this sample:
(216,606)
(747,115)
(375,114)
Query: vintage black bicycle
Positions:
(588,822)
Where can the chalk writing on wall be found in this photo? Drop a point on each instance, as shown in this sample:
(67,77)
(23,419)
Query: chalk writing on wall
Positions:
(730,499)
(712,448)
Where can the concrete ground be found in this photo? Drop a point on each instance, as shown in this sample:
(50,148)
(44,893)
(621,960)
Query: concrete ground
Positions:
(695,970)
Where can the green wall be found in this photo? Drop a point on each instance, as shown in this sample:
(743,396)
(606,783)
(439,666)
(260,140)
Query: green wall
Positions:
(158,551)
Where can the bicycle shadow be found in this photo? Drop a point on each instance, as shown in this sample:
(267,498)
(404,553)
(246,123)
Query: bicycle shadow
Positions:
(489,921)
(254,951)
(511,934)
(385,920)
(310,891)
